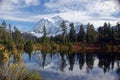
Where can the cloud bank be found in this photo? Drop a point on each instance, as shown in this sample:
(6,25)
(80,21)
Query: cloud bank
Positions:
(94,11)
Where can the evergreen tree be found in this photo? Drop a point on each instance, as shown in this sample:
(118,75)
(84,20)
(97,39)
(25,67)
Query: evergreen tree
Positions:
(113,36)
(4,24)
(72,34)
(118,29)
(100,35)
(107,33)
(6,39)
(64,29)
(91,34)
(81,34)
(44,34)
(10,31)
(29,46)
(18,39)
(44,30)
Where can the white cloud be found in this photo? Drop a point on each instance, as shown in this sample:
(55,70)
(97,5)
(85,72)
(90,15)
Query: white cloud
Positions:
(84,11)
(84,18)
(64,5)
(17,16)
(17,4)
(32,2)
(99,6)
(75,16)
(106,7)
(11,10)
(6,5)
(15,1)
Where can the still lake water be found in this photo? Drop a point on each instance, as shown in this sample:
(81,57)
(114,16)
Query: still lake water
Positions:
(74,66)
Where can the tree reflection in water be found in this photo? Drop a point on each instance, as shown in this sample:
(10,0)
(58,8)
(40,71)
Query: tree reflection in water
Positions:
(81,59)
(89,61)
(71,60)
(105,60)
(44,53)
(118,69)
(63,61)
(84,64)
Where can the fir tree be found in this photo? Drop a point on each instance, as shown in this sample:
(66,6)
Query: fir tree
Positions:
(44,34)
(81,34)
(18,39)
(72,34)
(4,24)
(64,27)
(91,34)
(29,45)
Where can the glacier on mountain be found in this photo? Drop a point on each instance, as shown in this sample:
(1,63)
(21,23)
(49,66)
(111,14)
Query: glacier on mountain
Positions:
(53,26)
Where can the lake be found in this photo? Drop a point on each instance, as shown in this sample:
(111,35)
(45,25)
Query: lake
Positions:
(68,65)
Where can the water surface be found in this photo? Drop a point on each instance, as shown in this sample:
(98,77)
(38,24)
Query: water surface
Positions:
(74,66)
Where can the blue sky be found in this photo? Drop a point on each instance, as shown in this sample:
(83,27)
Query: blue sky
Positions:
(26,13)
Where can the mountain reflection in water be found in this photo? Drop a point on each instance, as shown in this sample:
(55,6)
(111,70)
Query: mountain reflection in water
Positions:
(74,66)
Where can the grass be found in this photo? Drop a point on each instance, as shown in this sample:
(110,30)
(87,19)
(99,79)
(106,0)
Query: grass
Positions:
(16,70)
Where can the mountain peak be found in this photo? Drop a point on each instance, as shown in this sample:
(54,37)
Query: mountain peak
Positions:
(57,17)
(52,26)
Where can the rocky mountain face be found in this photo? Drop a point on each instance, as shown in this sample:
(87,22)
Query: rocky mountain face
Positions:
(53,26)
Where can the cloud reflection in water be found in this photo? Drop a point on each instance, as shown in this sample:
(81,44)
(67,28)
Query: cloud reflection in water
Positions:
(52,69)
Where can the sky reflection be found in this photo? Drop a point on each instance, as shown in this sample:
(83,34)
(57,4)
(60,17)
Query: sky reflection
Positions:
(52,68)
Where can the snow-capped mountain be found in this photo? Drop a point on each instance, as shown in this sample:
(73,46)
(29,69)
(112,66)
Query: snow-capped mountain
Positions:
(52,26)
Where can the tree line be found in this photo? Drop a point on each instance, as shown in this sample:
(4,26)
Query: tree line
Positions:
(102,36)
(13,43)
(105,35)
(13,40)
